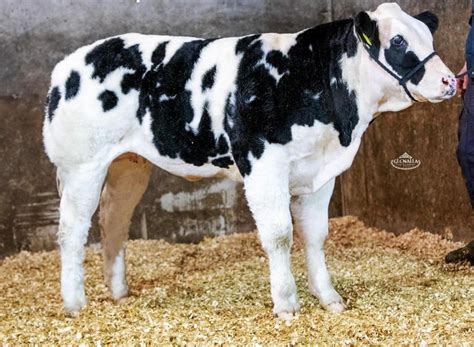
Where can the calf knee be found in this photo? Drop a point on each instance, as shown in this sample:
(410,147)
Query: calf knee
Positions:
(277,235)
(72,233)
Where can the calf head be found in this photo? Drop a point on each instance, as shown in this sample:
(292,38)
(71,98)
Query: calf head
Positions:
(402,45)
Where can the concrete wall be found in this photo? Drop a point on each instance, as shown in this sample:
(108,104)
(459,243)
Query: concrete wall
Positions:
(433,196)
(34,35)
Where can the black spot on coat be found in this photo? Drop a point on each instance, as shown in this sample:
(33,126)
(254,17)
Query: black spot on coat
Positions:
(403,62)
(222,145)
(278,60)
(52,101)
(159,54)
(223,162)
(109,100)
(150,79)
(208,79)
(111,55)
(245,42)
(72,85)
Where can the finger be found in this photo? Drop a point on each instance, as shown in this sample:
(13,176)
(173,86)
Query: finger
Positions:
(459,85)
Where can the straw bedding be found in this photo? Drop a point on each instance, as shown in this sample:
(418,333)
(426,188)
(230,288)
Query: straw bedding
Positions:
(217,292)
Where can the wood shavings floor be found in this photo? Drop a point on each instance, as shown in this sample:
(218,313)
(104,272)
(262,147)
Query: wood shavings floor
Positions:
(217,292)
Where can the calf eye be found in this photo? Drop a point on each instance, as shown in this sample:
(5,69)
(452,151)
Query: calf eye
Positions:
(398,41)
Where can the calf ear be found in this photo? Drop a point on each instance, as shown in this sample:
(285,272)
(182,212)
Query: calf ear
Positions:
(366,29)
(430,19)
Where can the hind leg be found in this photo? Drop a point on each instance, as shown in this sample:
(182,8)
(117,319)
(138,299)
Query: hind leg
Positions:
(81,187)
(126,182)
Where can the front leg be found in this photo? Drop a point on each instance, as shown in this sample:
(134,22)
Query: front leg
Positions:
(310,213)
(267,192)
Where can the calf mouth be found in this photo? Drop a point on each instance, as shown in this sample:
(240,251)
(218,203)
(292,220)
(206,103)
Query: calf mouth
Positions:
(446,95)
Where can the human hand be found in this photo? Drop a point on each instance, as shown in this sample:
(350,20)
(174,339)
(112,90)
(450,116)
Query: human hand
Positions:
(461,82)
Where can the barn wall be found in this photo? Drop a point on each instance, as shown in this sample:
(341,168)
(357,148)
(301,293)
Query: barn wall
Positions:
(433,196)
(34,35)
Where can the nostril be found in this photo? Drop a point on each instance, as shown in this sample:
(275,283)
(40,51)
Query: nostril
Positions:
(445,81)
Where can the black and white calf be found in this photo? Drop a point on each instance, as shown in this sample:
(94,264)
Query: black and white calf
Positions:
(284,113)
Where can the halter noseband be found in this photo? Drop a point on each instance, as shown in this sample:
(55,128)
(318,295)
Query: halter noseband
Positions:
(401,80)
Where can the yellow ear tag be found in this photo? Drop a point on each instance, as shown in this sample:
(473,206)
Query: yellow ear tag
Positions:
(367,39)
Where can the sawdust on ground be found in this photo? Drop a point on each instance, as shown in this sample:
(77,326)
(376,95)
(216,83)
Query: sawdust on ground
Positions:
(217,292)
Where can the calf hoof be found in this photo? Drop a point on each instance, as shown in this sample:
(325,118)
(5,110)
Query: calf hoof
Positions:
(71,313)
(335,307)
(73,305)
(286,316)
(119,291)
(287,309)
(121,294)
(330,300)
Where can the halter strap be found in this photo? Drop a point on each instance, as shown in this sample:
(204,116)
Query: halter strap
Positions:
(405,78)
